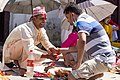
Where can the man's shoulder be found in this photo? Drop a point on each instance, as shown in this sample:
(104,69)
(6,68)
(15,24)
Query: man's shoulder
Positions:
(86,18)
(24,25)
(21,25)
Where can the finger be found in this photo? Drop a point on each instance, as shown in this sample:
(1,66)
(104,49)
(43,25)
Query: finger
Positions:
(49,52)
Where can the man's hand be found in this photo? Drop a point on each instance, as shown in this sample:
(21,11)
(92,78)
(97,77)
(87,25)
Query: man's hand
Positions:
(76,66)
(54,50)
(54,57)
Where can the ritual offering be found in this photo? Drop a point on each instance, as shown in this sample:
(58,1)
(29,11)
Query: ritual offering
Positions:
(3,75)
(51,65)
(61,74)
(38,74)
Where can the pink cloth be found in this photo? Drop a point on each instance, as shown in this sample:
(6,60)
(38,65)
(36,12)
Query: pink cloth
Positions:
(117,63)
(71,40)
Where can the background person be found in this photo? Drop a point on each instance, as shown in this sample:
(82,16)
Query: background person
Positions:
(111,28)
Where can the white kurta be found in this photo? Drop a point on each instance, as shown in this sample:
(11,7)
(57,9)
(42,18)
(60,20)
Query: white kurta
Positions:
(21,40)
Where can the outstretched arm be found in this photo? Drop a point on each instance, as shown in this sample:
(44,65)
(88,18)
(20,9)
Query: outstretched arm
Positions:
(80,47)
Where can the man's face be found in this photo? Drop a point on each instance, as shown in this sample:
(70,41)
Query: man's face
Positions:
(69,18)
(40,20)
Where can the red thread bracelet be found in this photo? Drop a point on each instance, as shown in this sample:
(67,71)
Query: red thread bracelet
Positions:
(58,51)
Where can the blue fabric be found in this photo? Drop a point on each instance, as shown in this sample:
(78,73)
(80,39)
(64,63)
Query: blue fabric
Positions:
(89,27)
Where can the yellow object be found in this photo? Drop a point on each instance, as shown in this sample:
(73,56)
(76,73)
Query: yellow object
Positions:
(108,29)
(3,78)
(116,44)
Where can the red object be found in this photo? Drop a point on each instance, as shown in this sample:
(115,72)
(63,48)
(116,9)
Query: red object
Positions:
(56,71)
(38,74)
(58,51)
(31,51)
(30,63)
(113,23)
(30,60)
(48,73)
(118,62)
(56,56)
(52,64)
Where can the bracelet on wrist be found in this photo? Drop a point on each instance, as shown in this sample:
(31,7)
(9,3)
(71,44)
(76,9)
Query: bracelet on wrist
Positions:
(58,51)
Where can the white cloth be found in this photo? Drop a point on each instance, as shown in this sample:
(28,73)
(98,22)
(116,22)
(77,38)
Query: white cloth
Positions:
(64,34)
(2,4)
(89,68)
(66,29)
(22,39)
(114,34)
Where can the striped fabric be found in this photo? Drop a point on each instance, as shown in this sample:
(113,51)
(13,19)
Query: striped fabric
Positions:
(97,40)
(85,4)
(99,9)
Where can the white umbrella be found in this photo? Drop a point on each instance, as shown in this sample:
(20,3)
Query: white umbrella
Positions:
(26,6)
(99,9)
(2,4)
(85,4)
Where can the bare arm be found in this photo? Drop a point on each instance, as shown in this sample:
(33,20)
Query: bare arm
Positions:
(63,50)
(69,49)
(80,47)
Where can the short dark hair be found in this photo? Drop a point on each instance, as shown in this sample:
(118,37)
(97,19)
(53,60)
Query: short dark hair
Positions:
(72,7)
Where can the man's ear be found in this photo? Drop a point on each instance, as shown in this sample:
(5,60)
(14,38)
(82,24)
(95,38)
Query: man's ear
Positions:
(33,17)
(72,14)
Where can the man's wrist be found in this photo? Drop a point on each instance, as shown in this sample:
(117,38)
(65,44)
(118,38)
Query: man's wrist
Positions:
(78,62)
(45,56)
(58,51)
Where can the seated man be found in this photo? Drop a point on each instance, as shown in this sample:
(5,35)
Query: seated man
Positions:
(92,40)
(25,37)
